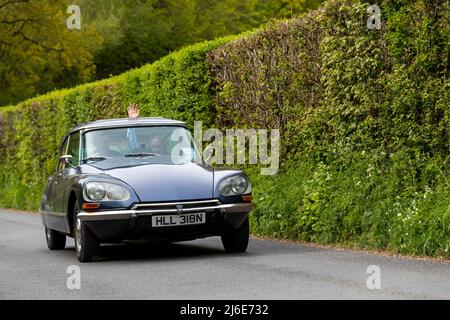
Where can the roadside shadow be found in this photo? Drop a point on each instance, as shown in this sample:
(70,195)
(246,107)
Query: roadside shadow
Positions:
(147,250)
(199,249)
(277,247)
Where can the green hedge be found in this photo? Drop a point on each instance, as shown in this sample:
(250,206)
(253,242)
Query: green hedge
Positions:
(364,116)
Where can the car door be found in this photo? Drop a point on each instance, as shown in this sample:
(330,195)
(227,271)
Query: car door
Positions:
(66,171)
(49,190)
(54,219)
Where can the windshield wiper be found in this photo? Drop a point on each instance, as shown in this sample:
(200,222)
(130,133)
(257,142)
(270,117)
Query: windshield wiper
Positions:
(140,155)
(93,159)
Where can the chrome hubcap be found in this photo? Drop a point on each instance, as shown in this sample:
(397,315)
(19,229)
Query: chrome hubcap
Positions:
(78,235)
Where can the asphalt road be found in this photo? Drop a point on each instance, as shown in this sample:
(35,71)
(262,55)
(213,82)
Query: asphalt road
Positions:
(202,270)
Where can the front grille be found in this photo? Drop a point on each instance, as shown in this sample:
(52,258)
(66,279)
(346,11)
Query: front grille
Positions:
(177,207)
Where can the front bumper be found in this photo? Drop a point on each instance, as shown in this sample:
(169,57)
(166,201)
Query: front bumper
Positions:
(135,223)
(136,210)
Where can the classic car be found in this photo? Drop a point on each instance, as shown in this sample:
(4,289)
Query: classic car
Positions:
(144,178)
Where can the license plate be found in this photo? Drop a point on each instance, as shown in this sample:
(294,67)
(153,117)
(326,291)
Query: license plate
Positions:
(179,219)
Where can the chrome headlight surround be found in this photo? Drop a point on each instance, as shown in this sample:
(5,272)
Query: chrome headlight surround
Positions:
(94,191)
(235,186)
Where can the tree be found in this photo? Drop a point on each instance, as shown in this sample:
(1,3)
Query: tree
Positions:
(37,51)
(139,32)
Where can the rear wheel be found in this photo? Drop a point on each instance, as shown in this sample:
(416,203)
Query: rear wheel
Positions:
(55,240)
(237,240)
(86,244)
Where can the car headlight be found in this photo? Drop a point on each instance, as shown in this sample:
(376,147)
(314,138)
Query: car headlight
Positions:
(101,191)
(237,185)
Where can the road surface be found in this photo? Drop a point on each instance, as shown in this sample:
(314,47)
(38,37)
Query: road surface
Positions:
(202,270)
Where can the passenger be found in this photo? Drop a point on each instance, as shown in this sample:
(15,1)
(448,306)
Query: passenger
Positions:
(156,143)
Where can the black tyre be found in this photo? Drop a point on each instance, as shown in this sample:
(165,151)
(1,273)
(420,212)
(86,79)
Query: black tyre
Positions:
(237,240)
(55,240)
(86,244)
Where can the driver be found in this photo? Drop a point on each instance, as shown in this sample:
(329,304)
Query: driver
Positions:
(100,148)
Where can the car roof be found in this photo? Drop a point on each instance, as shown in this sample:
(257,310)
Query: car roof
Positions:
(126,122)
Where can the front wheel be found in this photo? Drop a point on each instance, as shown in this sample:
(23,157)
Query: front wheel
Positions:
(86,244)
(237,240)
(55,240)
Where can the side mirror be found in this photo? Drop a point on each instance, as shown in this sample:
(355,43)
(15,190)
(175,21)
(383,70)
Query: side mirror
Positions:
(66,159)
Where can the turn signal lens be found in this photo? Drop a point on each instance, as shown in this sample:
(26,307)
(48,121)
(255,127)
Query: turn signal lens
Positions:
(90,206)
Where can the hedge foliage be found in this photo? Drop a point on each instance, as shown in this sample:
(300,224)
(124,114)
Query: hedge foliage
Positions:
(364,116)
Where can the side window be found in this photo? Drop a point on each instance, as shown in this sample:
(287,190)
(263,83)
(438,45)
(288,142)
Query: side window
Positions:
(61,165)
(74,148)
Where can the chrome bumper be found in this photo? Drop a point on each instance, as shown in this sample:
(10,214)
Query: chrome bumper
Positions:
(141,210)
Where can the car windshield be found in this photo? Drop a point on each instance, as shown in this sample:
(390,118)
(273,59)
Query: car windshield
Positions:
(138,145)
